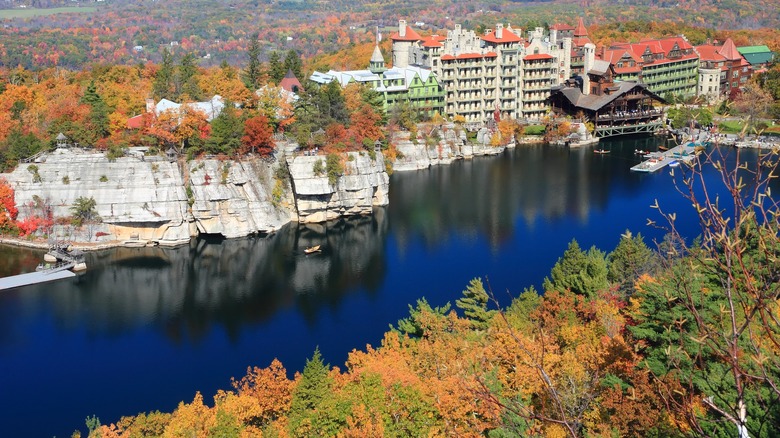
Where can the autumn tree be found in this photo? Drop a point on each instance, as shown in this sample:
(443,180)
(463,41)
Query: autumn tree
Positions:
(8,209)
(258,136)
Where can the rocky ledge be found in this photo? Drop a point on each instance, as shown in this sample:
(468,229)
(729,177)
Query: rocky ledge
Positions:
(148,198)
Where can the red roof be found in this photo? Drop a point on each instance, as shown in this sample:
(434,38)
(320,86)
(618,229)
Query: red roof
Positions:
(491,55)
(709,52)
(136,122)
(536,56)
(433,41)
(291,83)
(561,26)
(410,35)
(580,30)
(729,50)
(581,41)
(507,36)
(447,57)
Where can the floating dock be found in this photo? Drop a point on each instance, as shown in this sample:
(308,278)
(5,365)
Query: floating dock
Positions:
(33,278)
(659,160)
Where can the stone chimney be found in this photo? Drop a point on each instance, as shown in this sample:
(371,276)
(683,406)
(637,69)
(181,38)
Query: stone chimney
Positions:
(499,30)
(589,60)
(402,28)
(150,105)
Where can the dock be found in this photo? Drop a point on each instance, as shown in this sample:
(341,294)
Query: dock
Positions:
(33,278)
(659,160)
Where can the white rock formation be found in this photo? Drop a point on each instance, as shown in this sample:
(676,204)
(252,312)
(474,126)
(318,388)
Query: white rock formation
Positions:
(451,145)
(363,185)
(153,199)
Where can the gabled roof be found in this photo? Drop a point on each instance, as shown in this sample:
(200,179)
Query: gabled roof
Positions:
(433,41)
(593,102)
(507,36)
(708,52)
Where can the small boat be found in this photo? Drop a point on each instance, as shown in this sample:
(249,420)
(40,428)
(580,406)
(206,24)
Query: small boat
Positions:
(674,163)
(640,151)
(600,151)
(312,249)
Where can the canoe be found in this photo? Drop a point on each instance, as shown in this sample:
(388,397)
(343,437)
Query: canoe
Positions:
(312,249)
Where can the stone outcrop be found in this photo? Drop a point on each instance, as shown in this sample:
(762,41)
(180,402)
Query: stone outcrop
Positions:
(152,199)
(236,198)
(438,145)
(362,185)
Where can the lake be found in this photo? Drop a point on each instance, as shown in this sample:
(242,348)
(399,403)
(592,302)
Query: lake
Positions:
(145,328)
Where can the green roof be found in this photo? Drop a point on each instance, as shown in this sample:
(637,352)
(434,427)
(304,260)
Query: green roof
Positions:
(753,49)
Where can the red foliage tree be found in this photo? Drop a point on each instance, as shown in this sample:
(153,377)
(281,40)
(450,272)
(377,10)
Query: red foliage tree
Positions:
(8,209)
(258,136)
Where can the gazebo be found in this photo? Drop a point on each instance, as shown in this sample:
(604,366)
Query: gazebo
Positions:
(62,141)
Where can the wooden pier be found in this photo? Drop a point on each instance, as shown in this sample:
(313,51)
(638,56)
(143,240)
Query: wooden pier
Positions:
(34,278)
(659,160)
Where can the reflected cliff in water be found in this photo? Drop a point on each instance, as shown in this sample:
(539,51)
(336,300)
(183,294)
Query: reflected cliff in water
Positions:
(484,197)
(185,291)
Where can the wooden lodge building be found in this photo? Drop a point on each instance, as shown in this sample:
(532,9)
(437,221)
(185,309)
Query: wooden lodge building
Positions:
(614,108)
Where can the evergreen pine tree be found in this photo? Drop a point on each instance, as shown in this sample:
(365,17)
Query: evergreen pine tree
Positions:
(630,259)
(162,88)
(254,69)
(582,272)
(313,388)
(292,61)
(412,326)
(474,304)
(276,69)
(187,83)
(98,115)
(226,131)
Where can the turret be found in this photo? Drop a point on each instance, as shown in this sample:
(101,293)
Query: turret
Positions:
(589,60)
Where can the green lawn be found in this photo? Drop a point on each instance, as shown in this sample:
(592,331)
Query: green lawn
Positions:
(6,14)
(534,130)
(730,126)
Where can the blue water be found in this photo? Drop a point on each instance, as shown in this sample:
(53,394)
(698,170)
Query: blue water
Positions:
(146,328)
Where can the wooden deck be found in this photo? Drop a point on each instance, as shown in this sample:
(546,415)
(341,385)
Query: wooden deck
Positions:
(20,280)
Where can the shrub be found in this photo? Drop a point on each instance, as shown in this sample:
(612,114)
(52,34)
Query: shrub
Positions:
(66,180)
(103,178)
(318,168)
(334,168)
(115,151)
(33,169)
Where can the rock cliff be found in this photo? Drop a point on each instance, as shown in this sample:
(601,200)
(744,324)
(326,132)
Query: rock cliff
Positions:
(438,145)
(150,198)
(363,183)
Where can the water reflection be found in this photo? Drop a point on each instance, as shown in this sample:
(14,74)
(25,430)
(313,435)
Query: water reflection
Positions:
(185,291)
(485,196)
